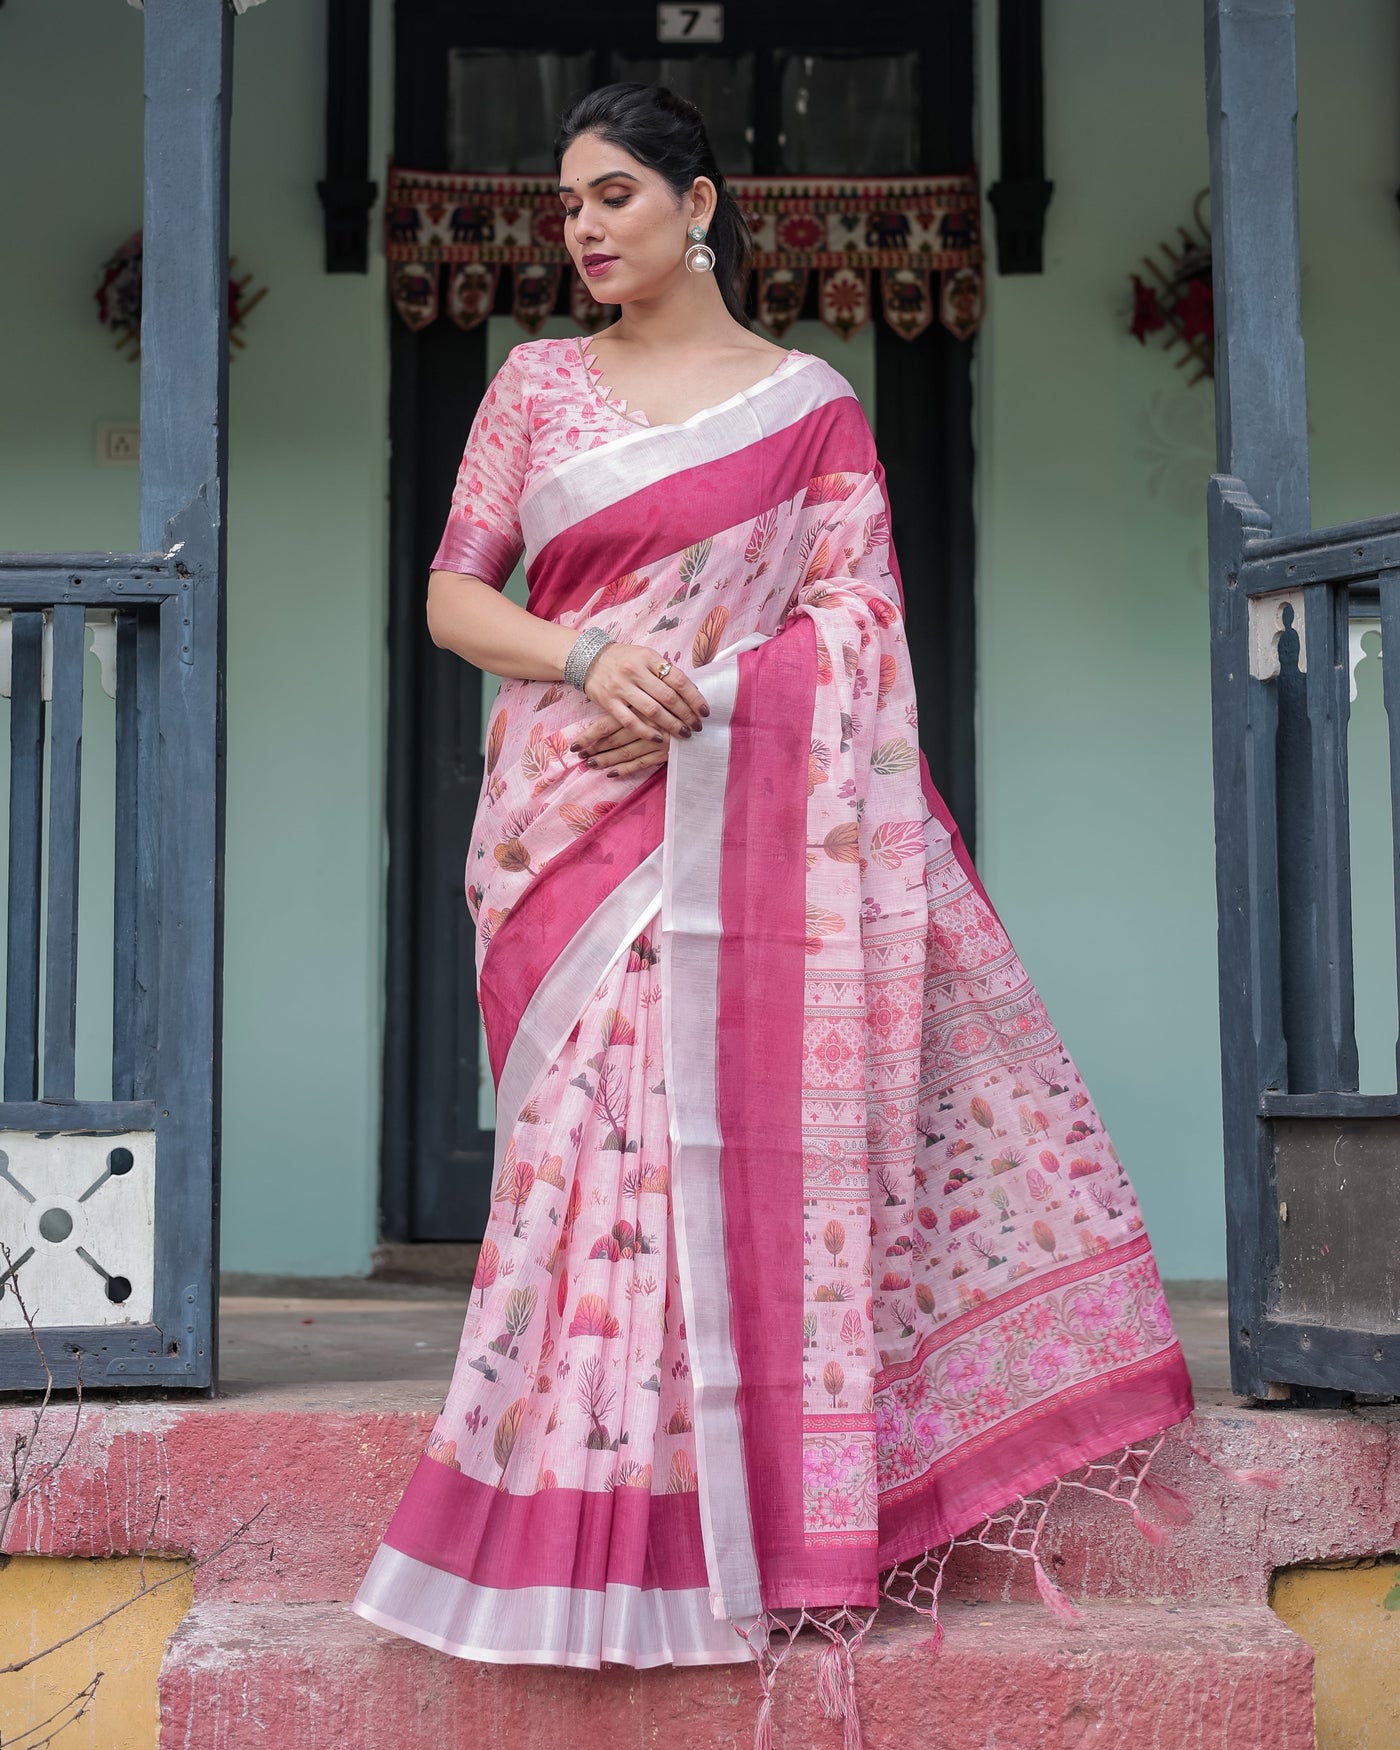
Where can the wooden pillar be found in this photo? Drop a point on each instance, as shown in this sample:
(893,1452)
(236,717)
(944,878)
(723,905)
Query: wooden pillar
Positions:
(1260,399)
(184,476)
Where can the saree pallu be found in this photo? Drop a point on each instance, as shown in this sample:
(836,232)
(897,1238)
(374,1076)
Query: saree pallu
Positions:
(808,1250)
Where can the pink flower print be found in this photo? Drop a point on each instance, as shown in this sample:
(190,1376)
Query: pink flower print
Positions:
(1042,1318)
(929,1430)
(1123,1343)
(1159,1318)
(889,1420)
(1049,1361)
(1016,1324)
(1090,1311)
(992,1402)
(820,1467)
(966,1371)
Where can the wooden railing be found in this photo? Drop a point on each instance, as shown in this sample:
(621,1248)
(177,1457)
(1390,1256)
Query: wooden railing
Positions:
(108,1206)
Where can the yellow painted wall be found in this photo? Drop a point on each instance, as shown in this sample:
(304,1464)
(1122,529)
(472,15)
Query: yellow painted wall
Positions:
(44,1599)
(1340,1612)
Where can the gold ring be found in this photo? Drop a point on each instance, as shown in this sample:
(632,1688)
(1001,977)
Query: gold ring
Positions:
(663,671)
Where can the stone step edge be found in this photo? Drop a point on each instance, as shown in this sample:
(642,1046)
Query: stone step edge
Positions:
(239,1676)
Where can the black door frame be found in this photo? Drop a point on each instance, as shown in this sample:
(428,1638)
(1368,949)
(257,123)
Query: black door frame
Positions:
(435,1162)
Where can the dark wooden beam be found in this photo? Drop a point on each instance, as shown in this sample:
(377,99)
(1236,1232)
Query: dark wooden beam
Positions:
(1022,195)
(347,194)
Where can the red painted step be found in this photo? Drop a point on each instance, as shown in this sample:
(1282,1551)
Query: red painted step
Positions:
(1008,1677)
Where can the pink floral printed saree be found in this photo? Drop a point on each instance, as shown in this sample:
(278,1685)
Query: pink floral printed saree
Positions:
(808,1249)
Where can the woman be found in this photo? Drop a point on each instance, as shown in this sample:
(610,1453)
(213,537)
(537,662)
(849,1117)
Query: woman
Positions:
(808,1251)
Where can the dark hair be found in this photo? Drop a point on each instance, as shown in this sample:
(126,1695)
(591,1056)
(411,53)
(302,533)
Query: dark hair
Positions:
(667,134)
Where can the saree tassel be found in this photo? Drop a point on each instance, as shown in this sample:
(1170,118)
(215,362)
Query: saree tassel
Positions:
(1253,1476)
(1172,1506)
(760,1637)
(831,1677)
(1052,1595)
(836,1672)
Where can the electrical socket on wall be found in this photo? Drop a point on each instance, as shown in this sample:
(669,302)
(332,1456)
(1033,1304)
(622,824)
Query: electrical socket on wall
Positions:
(118,443)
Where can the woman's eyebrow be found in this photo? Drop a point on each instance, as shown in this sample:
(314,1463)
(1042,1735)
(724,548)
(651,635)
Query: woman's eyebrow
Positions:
(608,176)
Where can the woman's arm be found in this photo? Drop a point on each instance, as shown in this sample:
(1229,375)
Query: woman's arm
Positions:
(490,631)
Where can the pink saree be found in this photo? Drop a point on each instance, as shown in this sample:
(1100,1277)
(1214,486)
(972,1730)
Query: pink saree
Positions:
(809,1252)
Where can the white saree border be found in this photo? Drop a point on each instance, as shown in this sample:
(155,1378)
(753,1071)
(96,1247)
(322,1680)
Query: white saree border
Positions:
(562,994)
(696,777)
(594,480)
(549,1625)
(544,1625)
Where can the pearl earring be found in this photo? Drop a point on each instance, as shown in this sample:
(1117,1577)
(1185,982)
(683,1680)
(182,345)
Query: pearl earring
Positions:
(699,258)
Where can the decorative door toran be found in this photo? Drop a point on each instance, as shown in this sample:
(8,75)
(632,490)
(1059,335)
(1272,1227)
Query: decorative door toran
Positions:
(908,231)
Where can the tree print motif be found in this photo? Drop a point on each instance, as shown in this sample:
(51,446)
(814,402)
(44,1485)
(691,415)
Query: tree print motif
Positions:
(834,1379)
(596,1398)
(516,1182)
(520,1309)
(834,1239)
(507,1429)
(488,1262)
(592,1318)
(707,639)
(682,1480)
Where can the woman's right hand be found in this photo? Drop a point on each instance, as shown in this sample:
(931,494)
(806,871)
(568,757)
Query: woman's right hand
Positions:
(623,682)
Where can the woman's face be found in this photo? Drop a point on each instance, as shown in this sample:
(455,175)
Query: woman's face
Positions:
(623,225)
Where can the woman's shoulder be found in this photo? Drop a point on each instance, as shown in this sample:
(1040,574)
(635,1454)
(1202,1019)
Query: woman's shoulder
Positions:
(535,363)
(825,376)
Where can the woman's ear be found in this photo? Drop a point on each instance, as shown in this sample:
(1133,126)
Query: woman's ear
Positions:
(704,198)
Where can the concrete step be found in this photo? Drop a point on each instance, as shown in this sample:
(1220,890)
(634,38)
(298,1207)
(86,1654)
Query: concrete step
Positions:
(1008,1677)
(314,1474)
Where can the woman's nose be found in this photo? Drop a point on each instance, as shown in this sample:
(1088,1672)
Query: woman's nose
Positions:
(588,226)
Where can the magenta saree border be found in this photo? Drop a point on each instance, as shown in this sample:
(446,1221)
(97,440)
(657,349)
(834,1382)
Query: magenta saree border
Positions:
(559,1537)
(1081,1424)
(558,903)
(691,504)
(760,1027)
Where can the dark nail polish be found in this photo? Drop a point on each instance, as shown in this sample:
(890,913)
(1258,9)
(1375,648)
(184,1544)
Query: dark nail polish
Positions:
(573,747)
(591,763)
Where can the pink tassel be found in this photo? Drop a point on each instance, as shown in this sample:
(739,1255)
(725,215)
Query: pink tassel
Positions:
(850,1738)
(831,1680)
(763,1731)
(1153,1533)
(936,1639)
(1258,1477)
(1171,1504)
(1254,1475)
(1051,1594)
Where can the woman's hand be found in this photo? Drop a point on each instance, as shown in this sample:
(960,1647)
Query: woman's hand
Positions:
(623,680)
(620,752)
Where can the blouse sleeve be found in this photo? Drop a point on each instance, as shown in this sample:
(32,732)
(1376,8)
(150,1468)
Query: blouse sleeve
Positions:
(482,538)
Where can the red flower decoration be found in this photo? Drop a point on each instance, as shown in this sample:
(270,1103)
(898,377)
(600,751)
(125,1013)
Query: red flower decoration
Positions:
(1196,311)
(1147,311)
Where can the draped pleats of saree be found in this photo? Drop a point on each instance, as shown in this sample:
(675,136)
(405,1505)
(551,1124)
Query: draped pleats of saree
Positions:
(808,1249)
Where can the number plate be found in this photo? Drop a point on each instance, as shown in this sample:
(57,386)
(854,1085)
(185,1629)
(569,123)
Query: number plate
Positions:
(690,24)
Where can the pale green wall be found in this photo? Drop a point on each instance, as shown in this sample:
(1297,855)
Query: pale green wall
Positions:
(1094,705)
(307,541)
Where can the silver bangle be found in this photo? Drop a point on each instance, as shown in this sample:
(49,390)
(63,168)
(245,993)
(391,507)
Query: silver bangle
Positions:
(581,657)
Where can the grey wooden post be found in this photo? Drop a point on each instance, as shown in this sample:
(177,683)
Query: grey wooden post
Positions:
(1262,482)
(1260,397)
(184,473)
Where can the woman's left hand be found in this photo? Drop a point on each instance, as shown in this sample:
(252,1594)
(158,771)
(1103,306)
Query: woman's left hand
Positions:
(619,752)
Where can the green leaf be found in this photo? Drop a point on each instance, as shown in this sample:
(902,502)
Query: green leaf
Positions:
(1391,1601)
